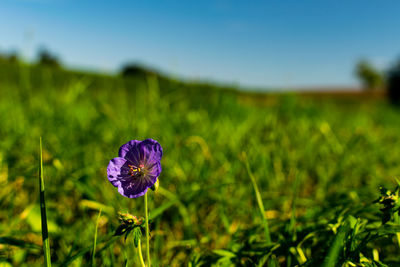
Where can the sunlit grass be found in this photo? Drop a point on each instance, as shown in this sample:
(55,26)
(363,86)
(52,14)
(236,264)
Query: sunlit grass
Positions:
(316,163)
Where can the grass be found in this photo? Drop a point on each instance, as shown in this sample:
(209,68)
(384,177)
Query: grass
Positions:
(259,200)
(45,233)
(95,240)
(318,164)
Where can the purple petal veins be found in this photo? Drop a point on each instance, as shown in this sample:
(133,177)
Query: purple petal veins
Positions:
(137,167)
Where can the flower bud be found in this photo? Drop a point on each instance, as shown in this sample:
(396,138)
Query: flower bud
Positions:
(155,186)
(129,219)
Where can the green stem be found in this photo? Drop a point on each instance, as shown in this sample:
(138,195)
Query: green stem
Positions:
(147,230)
(45,233)
(397,221)
(95,239)
(140,254)
(259,201)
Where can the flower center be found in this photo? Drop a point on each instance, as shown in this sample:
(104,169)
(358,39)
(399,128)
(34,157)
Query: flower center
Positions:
(136,171)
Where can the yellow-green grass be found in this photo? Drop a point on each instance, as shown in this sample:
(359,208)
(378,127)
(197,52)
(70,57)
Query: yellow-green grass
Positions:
(315,164)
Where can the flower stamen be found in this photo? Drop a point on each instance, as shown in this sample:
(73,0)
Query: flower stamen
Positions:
(135,171)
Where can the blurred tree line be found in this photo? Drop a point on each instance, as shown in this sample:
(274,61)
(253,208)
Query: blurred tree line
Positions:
(373,79)
(370,77)
(47,58)
(9,57)
(44,58)
(394,84)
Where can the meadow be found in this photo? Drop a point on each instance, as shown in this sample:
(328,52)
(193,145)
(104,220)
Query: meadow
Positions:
(317,164)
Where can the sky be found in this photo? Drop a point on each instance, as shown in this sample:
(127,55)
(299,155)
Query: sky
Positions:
(257,44)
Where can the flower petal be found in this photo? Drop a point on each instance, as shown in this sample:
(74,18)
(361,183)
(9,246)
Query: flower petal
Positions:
(154,171)
(130,150)
(150,151)
(117,169)
(134,188)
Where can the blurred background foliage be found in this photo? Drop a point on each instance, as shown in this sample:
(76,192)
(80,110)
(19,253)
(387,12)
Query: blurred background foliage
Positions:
(369,76)
(318,165)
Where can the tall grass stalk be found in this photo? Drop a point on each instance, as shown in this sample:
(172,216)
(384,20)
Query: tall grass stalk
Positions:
(259,200)
(333,254)
(396,218)
(139,248)
(95,238)
(45,233)
(147,231)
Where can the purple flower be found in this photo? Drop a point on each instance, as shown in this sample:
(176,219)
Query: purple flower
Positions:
(136,168)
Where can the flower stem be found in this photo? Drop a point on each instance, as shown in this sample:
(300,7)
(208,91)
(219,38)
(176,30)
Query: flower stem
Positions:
(147,230)
(139,248)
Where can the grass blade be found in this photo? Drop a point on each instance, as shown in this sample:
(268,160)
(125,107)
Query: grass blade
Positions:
(106,242)
(45,233)
(7,240)
(259,199)
(333,255)
(95,238)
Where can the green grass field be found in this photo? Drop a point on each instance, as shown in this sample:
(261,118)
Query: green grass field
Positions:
(318,166)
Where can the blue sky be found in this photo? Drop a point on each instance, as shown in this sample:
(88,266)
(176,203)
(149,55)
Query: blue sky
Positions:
(273,43)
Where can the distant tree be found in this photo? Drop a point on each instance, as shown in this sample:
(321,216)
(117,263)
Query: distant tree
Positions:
(13,57)
(369,76)
(46,58)
(135,70)
(3,57)
(393,85)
